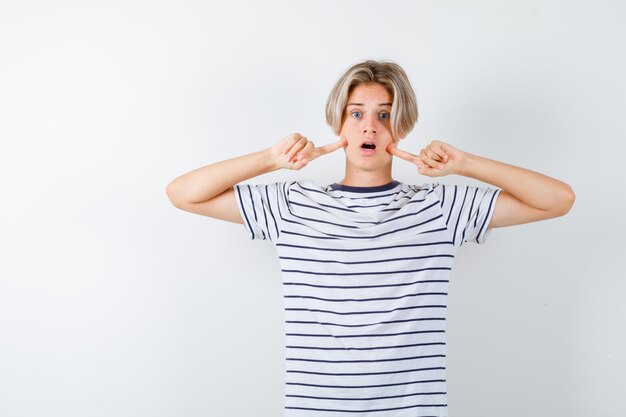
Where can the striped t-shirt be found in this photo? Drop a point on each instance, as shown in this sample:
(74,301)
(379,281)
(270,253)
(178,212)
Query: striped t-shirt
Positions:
(365,274)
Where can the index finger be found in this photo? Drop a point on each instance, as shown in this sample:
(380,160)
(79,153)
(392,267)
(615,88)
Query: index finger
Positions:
(403,154)
(323,150)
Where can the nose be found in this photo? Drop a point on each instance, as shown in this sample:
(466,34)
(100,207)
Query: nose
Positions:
(372,124)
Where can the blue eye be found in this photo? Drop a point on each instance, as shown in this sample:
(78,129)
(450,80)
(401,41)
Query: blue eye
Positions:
(382,114)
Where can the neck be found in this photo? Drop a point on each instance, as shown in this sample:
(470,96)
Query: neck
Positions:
(362,177)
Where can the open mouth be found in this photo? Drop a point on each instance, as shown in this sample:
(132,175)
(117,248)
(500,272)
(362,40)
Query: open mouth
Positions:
(368,145)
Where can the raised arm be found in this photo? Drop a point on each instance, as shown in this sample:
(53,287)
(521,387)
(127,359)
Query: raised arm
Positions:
(527,196)
(209,190)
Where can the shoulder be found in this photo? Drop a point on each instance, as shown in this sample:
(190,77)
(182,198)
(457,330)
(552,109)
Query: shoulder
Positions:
(304,189)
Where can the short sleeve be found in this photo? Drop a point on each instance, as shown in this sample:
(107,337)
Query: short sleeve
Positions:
(261,207)
(467,211)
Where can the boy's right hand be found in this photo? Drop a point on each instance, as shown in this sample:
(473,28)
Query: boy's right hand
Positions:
(295,151)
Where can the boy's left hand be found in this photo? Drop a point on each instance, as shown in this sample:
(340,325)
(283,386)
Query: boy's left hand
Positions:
(435,160)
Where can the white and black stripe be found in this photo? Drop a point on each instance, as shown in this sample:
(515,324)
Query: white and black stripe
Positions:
(365,279)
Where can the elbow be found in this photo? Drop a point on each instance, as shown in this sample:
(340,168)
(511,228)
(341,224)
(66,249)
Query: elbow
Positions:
(568,200)
(570,197)
(170,191)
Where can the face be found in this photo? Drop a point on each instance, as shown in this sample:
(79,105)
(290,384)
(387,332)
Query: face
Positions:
(368,119)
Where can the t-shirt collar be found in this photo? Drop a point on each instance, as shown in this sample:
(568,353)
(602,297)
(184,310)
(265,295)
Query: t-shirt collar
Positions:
(351,188)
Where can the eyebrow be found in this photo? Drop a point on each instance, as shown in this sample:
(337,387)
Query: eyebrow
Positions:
(361,104)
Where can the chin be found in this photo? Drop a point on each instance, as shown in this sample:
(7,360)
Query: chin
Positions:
(369,163)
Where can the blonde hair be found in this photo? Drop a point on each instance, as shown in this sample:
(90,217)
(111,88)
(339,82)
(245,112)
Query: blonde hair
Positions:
(404,106)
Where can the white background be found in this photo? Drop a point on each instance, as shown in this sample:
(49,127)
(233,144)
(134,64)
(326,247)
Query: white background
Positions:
(115,303)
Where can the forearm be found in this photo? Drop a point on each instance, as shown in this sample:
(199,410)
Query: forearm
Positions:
(204,183)
(533,188)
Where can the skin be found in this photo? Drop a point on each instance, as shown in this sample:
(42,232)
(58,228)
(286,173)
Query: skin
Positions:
(370,120)
(526,195)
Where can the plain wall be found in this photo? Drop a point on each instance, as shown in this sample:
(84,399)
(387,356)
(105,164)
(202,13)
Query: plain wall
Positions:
(115,303)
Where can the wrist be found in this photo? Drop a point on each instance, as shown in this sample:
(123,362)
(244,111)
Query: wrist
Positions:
(269,161)
(466,167)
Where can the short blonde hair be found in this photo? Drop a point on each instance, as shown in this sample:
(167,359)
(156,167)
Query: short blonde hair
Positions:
(404,106)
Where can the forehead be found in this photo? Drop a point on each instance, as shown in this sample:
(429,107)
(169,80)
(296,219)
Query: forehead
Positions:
(366,93)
